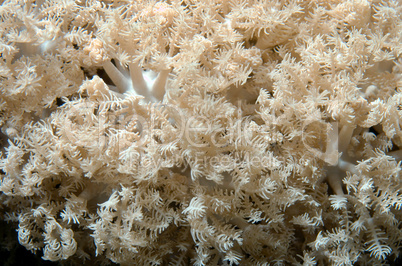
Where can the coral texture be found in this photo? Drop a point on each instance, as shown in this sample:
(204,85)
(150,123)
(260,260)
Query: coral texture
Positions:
(202,132)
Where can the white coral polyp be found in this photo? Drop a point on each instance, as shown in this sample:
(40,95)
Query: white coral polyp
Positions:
(59,242)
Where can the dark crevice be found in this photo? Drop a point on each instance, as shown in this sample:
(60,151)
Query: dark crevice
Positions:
(103,75)
(59,101)
(372,130)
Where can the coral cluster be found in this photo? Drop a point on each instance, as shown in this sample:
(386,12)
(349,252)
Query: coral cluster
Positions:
(209,132)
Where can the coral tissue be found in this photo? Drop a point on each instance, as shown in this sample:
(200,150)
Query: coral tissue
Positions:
(209,132)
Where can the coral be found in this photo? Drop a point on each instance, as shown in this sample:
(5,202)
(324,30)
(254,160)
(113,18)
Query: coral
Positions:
(202,132)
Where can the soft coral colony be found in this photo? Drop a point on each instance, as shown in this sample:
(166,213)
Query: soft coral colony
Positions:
(202,132)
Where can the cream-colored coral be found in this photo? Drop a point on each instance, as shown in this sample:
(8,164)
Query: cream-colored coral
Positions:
(95,52)
(162,12)
(202,132)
